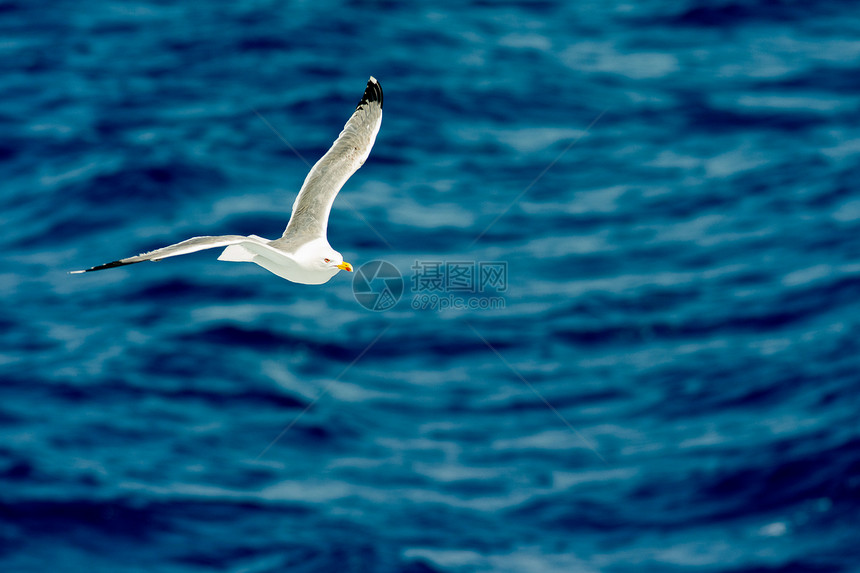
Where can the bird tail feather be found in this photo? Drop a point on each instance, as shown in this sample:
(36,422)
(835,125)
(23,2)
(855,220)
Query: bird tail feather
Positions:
(237,254)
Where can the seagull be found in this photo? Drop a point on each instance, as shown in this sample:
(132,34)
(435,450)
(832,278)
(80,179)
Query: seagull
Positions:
(302,254)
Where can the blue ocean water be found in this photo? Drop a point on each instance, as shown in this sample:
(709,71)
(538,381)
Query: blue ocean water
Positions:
(671,383)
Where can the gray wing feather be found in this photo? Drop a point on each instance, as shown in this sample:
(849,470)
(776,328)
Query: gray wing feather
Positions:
(350,150)
(191,245)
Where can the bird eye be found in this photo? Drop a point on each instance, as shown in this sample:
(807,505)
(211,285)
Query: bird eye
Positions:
(327,260)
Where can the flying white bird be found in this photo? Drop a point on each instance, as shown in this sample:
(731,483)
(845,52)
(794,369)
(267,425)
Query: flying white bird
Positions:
(302,254)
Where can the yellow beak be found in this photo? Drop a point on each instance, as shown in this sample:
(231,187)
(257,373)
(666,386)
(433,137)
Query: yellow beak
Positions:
(345,266)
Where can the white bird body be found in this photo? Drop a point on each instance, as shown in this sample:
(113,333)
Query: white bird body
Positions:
(302,254)
(298,267)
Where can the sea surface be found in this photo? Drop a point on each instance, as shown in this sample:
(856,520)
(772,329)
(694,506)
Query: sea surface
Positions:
(628,337)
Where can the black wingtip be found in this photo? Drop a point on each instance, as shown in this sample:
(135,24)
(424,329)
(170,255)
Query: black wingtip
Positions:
(372,93)
(104,266)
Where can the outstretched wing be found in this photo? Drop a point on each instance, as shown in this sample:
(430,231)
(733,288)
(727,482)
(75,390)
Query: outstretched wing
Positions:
(350,150)
(188,246)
